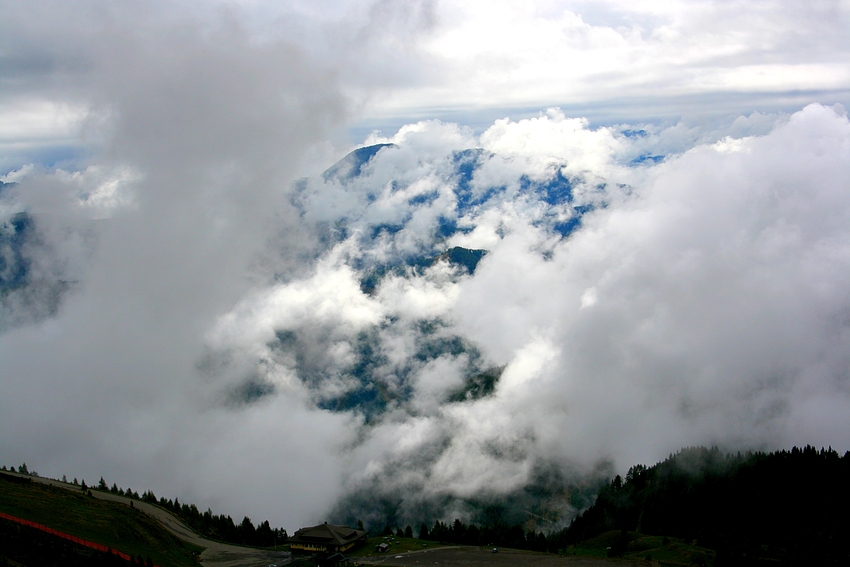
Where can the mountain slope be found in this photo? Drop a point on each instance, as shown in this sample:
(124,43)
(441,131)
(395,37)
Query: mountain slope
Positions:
(781,508)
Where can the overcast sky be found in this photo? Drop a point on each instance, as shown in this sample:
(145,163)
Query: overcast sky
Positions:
(157,147)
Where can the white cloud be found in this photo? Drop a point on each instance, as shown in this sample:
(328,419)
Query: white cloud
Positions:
(588,298)
(18,174)
(646,286)
(712,315)
(701,304)
(515,55)
(31,121)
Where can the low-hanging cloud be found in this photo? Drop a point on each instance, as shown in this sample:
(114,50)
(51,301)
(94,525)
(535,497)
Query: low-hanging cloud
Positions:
(460,318)
(624,307)
(114,271)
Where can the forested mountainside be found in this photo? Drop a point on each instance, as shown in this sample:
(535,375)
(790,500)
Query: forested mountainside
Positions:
(780,508)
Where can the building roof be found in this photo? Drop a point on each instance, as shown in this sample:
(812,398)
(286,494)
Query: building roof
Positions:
(326,534)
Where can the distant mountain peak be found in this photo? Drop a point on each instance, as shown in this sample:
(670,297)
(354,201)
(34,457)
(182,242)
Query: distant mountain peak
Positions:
(351,165)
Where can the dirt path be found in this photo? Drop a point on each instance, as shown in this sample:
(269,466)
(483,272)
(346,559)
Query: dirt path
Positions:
(216,554)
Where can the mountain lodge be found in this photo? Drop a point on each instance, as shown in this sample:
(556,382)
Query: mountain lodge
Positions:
(326,538)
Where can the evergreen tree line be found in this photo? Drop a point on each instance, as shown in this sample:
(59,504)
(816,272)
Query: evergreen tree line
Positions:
(221,527)
(753,508)
(513,536)
(457,532)
(209,525)
(780,508)
(22,469)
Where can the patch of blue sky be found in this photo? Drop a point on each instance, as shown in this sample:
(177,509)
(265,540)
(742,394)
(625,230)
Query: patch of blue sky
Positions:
(48,157)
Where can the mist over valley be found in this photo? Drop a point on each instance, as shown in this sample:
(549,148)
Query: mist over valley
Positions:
(374,263)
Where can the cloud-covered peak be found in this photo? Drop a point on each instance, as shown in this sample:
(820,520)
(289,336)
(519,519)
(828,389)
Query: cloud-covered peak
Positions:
(538,298)
(493,306)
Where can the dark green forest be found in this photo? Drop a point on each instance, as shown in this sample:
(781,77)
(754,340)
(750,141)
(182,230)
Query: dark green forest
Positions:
(502,535)
(782,508)
(221,527)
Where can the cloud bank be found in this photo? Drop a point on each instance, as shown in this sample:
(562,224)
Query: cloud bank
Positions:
(112,272)
(634,59)
(626,306)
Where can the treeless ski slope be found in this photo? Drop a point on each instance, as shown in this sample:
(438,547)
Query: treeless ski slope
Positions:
(216,554)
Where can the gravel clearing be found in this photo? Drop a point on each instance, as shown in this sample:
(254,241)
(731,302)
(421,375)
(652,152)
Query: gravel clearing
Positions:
(484,557)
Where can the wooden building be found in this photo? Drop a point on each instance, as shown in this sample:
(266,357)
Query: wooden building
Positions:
(326,538)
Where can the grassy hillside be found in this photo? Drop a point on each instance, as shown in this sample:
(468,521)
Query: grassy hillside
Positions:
(109,523)
(631,545)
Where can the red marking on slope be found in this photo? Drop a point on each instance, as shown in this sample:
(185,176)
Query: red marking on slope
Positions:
(69,537)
